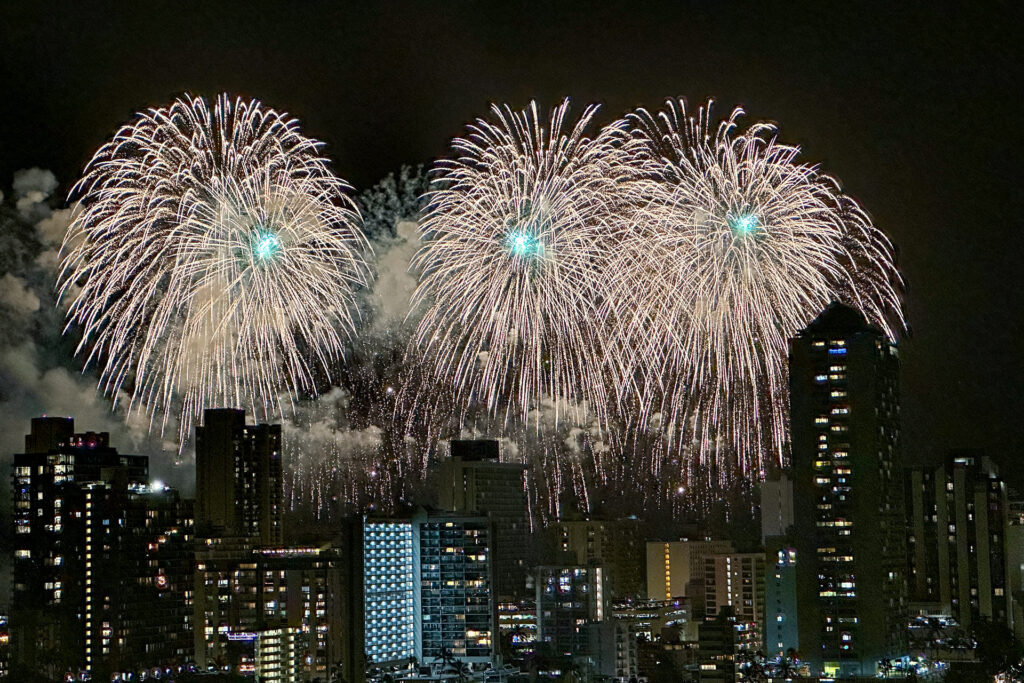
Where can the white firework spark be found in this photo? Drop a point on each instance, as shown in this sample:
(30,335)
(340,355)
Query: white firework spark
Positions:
(742,246)
(213,260)
(518,237)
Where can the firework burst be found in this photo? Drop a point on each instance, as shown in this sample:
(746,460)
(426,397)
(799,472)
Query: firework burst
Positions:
(743,246)
(213,260)
(518,237)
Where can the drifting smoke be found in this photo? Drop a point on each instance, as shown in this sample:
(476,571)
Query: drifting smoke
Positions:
(37,372)
(365,442)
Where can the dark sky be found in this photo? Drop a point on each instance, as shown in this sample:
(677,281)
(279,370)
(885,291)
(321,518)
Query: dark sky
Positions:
(916,110)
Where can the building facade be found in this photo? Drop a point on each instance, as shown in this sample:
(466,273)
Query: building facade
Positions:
(238,477)
(473,480)
(781,632)
(569,597)
(101,559)
(736,582)
(612,650)
(389,589)
(241,589)
(957,552)
(849,527)
(456,610)
(617,545)
(676,568)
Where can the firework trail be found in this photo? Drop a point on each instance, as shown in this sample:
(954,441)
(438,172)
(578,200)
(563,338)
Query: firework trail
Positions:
(743,246)
(518,236)
(213,260)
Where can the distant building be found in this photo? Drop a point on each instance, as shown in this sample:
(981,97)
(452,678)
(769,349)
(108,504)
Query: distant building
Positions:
(241,589)
(957,551)
(473,480)
(776,506)
(390,591)
(617,545)
(456,609)
(656,619)
(569,596)
(849,527)
(278,655)
(101,559)
(612,650)
(517,627)
(781,632)
(717,649)
(238,478)
(735,582)
(676,568)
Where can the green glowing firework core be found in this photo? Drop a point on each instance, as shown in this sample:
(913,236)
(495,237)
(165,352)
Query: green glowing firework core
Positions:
(744,224)
(524,244)
(266,246)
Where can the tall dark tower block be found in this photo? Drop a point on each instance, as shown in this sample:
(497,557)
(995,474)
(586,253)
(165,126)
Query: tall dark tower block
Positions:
(102,560)
(238,477)
(849,528)
(474,481)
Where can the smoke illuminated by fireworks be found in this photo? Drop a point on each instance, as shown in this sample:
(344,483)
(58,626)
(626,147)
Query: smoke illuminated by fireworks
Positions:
(742,246)
(213,260)
(518,237)
(615,307)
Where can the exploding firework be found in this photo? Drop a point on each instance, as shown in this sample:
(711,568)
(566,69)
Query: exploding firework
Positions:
(518,236)
(743,246)
(213,260)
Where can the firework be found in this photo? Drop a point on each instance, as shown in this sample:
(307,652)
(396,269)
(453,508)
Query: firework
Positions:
(213,260)
(519,236)
(743,246)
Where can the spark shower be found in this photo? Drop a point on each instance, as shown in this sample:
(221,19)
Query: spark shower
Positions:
(645,275)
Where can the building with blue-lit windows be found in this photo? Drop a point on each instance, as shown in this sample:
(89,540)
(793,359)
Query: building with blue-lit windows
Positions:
(388,583)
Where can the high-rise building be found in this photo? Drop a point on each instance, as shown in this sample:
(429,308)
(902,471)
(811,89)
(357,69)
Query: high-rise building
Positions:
(736,581)
(568,597)
(101,559)
(676,568)
(242,590)
(849,528)
(389,589)
(957,551)
(456,610)
(474,481)
(238,477)
(139,542)
(780,630)
(617,545)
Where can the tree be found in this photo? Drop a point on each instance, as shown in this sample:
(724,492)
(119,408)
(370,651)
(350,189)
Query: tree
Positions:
(996,648)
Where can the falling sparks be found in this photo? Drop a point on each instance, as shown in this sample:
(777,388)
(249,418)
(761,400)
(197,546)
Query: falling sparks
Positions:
(741,246)
(213,260)
(517,239)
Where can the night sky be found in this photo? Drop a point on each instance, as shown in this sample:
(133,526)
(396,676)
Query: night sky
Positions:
(916,111)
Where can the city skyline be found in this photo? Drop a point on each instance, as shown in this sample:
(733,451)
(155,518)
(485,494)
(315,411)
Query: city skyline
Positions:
(511,343)
(455,582)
